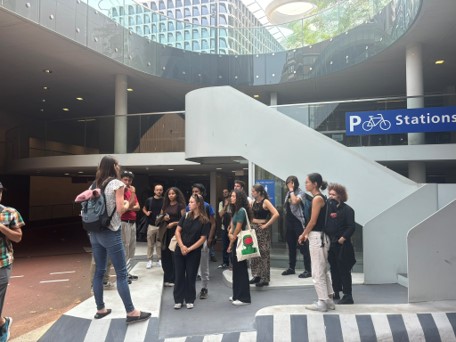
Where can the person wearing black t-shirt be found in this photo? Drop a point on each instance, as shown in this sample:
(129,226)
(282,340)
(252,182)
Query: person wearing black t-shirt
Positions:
(151,209)
(340,228)
(191,233)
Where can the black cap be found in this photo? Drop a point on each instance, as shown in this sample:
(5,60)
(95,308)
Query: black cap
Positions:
(128,174)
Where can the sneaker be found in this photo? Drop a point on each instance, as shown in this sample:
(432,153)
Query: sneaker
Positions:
(254,280)
(213,258)
(189,305)
(149,264)
(159,263)
(132,277)
(262,283)
(239,303)
(223,266)
(330,304)
(6,329)
(346,299)
(305,274)
(230,298)
(168,284)
(177,306)
(203,293)
(318,306)
(288,271)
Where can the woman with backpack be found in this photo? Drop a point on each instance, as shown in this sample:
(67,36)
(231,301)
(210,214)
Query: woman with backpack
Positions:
(318,244)
(191,233)
(108,242)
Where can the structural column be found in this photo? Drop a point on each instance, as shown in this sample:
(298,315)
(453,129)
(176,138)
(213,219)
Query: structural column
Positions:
(121,111)
(414,76)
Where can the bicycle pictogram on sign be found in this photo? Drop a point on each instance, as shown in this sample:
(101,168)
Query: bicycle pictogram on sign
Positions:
(376,120)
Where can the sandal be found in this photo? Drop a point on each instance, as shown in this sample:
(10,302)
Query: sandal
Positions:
(143,316)
(101,315)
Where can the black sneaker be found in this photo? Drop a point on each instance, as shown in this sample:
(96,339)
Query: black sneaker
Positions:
(346,299)
(305,274)
(288,271)
(262,283)
(203,293)
(132,277)
(223,266)
(213,258)
(254,280)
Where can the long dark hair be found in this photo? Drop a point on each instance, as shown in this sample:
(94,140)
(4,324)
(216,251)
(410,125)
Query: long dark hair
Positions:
(317,178)
(242,202)
(295,181)
(106,169)
(180,199)
(202,215)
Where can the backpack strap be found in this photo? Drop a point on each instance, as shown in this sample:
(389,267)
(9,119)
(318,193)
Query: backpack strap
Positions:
(103,187)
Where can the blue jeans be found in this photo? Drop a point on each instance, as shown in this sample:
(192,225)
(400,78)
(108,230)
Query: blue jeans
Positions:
(104,244)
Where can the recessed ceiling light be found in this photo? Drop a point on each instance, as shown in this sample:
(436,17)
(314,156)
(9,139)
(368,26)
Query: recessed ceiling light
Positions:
(218,168)
(79,99)
(439,61)
(130,89)
(45,88)
(43,100)
(65,109)
(47,71)
(170,169)
(256,96)
(66,174)
(80,172)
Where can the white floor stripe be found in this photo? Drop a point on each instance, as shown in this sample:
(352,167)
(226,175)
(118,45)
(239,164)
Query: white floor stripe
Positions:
(349,327)
(63,272)
(53,281)
(175,339)
(213,338)
(17,276)
(248,336)
(413,326)
(444,327)
(136,332)
(316,328)
(281,327)
(98,330)
(382,327)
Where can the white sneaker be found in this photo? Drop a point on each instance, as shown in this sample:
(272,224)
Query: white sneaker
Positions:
(189,305)
(169,284)
(231,298)
(318,306)
(149,264)
(237,302)
(159,263)
(330,304)
(177,306)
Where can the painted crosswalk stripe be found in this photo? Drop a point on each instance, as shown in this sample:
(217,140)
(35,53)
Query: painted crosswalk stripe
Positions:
(282,326)
(413,326)
(98,330)
(349,328)
(54,281)
(382,327)
(17,276)
(213,338)
(176,339)
(248,336)
(316,328)
(444,326)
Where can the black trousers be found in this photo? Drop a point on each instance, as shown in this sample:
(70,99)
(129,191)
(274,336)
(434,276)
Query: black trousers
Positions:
(241,287)
(340,273)
(225,243)
(167,259)
(294,229)
(185,271)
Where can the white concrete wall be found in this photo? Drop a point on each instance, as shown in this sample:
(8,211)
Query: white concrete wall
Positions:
(222,122)
(432,257)
(385,236)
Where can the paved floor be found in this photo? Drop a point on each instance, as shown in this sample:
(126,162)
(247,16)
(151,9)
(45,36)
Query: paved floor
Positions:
(277,313)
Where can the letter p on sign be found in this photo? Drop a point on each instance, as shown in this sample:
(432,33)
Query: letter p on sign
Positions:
(354,121)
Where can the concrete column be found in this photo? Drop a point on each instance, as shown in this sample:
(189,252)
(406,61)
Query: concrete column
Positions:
(213,185)
(121,111)
(414,80)
(251,179)
(273,99)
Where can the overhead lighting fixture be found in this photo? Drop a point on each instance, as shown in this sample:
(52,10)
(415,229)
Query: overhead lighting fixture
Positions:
(80,99)
(218,168)
(256,96)
(170,169)
(45,88)
(66,174)
(80,172)
(130,89)
(285,11)
(439,61)
(47,71)
(66,109)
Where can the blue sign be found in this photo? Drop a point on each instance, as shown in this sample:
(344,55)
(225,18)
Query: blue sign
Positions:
(269,186)
(437,119)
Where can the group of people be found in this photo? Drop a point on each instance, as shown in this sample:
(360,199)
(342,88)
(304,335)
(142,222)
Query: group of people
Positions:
(322,236)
